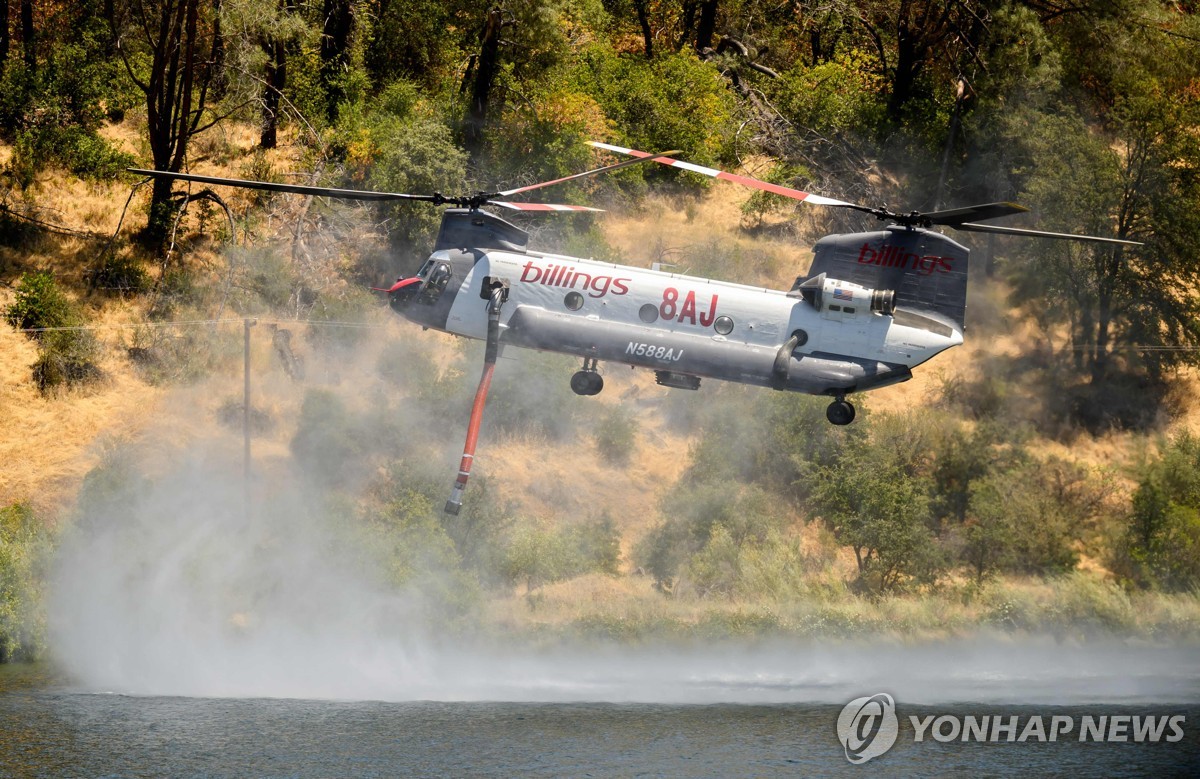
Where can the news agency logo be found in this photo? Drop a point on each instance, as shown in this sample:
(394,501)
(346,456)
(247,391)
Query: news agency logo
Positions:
(867,727)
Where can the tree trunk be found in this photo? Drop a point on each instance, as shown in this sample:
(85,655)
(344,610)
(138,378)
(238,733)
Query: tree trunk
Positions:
(335,52)
(28,47)
(708,25)
(218,54)
(644,23)
(485,75)
(910,58)
(273,92)
(176,89)
(685,27)
(1103,321)
(276,51)
(4,41)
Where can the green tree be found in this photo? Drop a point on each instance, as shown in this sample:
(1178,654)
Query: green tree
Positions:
(169,51)
(67,350)
(1119,158)
(875,499)
(54,101)
(24,547)
(1161,544)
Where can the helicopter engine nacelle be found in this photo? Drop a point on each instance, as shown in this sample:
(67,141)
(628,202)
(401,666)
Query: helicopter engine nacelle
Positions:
(826,294)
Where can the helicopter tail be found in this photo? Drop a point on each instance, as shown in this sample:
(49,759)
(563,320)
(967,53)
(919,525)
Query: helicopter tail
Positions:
(927,270)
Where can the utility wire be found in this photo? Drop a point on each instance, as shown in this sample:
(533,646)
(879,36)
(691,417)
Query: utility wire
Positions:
(200,322)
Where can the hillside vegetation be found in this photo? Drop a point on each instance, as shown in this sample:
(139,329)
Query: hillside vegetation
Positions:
(1043,477)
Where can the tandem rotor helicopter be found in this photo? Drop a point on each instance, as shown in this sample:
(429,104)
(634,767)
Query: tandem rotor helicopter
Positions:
(873,306)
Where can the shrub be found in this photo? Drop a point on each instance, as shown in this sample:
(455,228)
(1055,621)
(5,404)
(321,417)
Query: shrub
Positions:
(616,436)
(24,546)
(695,515)
(328,444)
(540,554)
(877,504)
(39,303)
(67,357)
(674,101)
(163,355)
(68,352)
(339,321)
(121,274)
(1161,543)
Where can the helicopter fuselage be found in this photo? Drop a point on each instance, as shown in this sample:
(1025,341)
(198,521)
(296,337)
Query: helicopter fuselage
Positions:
(839,339)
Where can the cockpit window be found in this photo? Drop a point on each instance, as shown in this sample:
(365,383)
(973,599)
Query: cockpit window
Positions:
(437,276)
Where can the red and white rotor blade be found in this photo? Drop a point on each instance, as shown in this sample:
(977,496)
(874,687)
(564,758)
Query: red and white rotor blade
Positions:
(539,206)
(606,169)
(745,181)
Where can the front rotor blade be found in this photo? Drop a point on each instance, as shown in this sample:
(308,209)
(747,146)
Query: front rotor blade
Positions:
(956,216)
(745,181)
(978,228)
(298,189)
(605,169)
(540,206)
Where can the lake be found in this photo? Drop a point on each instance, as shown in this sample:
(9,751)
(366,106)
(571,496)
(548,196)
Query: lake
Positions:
(764,711)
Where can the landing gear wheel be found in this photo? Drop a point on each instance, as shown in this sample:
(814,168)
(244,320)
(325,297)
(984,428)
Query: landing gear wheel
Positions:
(840,412)
(587,383)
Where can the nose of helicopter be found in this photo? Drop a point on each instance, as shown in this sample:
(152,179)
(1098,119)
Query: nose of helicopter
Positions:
(402,292)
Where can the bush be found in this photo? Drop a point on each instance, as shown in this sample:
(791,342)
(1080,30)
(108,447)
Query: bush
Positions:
(616,436)
(67,358)
(695,515)
(674,101)
(876,502)
(39,303)
(164,355)
(328,443)
(24,547)
(403,154)
(121,274)
(539,554)
(68,352)
(837,96)
(1161,543)
(339,321)
(419,553)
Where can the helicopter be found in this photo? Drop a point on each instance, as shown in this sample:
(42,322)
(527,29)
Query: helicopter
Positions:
(872,307)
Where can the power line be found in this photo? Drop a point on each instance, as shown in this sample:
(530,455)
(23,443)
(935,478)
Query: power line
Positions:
(201,322)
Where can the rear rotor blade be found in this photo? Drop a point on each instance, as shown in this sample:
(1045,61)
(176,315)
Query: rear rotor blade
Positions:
(978,228)
(745,181)
(955,216)
(572,177)
(299,189)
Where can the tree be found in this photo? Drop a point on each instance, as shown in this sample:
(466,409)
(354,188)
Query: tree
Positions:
(28,36)
(1128,306)
(414,39)
(339,26)
(5,40)
(486,66)
(1029,517)
(168,49)
(874,498)
(909,36)
(1161,543)
(24,551)
(274,45)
